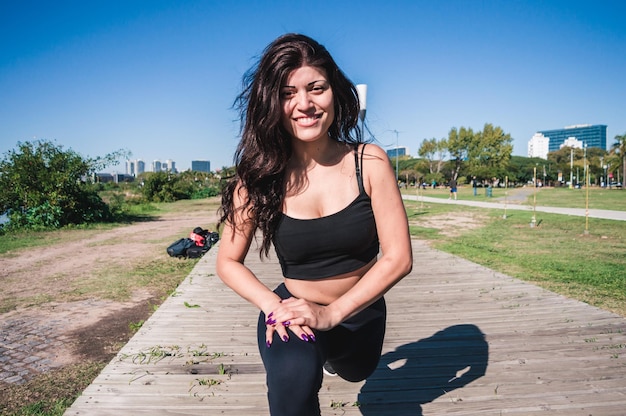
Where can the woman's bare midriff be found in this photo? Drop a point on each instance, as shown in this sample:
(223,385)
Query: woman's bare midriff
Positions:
(325,291)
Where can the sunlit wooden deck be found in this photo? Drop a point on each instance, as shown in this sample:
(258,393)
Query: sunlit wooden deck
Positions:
(461,340)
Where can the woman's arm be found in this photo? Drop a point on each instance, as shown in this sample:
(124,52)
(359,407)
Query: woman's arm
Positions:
(234,245)
(392,225)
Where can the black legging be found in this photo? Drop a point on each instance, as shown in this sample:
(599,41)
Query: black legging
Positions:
(294,368)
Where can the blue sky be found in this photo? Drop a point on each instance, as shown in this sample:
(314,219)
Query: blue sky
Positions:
(159,77)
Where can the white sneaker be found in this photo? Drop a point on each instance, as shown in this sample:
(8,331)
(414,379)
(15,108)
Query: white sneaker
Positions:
(329,370)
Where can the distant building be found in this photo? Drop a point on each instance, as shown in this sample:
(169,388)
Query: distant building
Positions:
(169,166)
(135,167)
(587,134)
(156,166)
(201,166)
(114,177)
(572,142)
(538,146)
(130,167)
(397,152)
(104,177)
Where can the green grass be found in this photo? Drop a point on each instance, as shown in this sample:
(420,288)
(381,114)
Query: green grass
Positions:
(556,254)
(49,394)
(29,239)
(116,283)
(598,198)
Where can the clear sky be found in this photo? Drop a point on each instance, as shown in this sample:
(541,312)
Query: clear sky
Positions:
(159,77)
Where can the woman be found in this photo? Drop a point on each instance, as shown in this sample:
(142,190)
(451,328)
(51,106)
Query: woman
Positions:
(326,201)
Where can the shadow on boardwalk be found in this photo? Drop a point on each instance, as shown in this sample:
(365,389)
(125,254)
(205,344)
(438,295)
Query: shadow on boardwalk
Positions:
(461,339)
(418,373)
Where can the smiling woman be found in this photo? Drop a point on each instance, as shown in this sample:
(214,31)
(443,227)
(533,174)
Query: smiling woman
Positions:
(307,100)
(305,179)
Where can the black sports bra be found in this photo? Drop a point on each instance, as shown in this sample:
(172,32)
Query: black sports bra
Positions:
(323,247)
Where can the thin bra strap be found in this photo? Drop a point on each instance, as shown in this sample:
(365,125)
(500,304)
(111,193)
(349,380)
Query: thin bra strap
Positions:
(359,167)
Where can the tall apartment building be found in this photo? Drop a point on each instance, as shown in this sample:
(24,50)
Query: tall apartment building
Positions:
(168,166)
(201,166)
(130,167)
(589,135)
(135,167)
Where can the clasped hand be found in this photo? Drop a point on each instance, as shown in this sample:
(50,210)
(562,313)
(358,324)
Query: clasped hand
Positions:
(298,316)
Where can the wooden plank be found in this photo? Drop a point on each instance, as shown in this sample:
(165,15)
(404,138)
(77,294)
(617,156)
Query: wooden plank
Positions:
(515,348)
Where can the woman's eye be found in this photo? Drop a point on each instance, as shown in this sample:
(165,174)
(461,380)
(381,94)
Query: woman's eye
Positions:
(287,94)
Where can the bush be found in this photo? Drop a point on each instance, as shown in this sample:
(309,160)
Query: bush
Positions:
(44,186)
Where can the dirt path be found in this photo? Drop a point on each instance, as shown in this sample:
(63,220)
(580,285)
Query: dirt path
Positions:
(65,327)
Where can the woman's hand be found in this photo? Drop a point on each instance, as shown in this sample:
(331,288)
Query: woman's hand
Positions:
(298,316)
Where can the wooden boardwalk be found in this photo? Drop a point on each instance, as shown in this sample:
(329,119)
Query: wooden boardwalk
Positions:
(461,340)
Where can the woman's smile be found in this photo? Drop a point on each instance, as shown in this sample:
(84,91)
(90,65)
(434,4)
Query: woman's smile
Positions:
(308,108)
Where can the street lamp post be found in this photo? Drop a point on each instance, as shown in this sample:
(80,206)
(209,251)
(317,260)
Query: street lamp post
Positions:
(571,168)
(533,221)
(601,167)
(586,173)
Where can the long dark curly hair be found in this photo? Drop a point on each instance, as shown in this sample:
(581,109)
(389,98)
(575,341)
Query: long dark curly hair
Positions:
(265,146)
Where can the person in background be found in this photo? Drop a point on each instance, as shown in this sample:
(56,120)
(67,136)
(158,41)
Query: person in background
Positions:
(474,185)
(452,185)
(327,202)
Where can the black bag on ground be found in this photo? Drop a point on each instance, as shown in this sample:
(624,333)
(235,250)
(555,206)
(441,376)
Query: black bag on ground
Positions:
(195,252)
(212,238)
(179,248)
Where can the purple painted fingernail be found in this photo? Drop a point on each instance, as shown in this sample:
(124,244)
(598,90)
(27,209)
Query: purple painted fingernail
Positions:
(270,315)
(268,344)
(287,323)
(312,337)
(305,337)
(285,338)
(270,321)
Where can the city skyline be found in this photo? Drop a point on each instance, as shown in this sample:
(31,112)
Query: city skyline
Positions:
(135,167)
(160,78)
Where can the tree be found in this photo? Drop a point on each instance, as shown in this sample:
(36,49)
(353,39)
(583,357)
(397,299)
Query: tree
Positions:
(459,142)
(485,154)
(489,152)
(42,185)
(619,148)
(521,169)
(434,151)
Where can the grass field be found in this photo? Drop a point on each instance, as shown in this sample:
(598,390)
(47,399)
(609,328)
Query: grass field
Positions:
(598,198)
(556,254)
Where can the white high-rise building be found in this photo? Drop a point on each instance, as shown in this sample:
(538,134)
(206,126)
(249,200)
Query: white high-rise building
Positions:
(171,165)
(130,167)
(538,146)
(135,167)
(572,142)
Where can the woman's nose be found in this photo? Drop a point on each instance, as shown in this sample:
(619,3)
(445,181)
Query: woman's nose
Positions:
(303,100)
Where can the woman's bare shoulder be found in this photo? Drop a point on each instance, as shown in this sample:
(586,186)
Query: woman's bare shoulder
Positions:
(373,153)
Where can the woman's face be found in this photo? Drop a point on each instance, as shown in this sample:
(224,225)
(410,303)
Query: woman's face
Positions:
(307,102)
